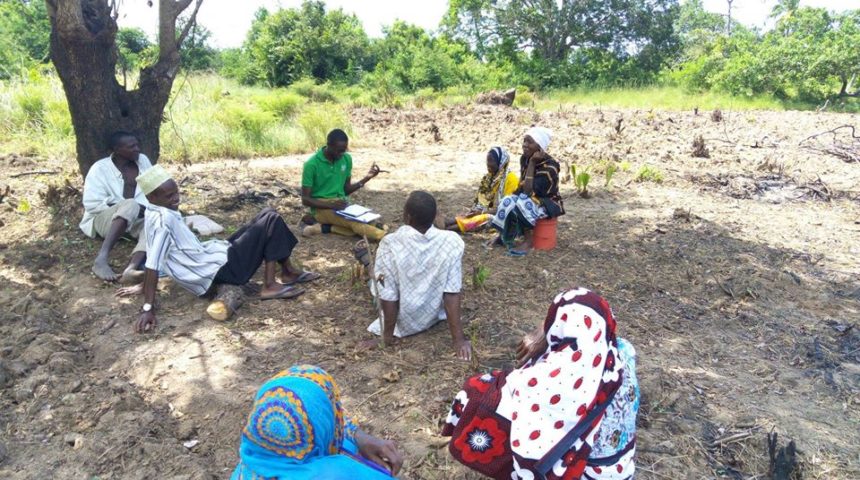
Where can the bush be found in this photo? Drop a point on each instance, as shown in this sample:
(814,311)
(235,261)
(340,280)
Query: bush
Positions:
(281,103)
(31,103)
(248,121)
(317,120)
(524,98)
(309,89)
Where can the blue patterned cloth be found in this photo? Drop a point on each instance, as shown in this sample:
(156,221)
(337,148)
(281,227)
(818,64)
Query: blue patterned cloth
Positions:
(618,427)
(297,430)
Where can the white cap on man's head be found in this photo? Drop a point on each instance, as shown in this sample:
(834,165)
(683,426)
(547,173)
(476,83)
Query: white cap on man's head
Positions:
(151,179)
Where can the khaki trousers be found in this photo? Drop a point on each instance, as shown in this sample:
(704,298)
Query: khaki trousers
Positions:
(128,210)
(346,227)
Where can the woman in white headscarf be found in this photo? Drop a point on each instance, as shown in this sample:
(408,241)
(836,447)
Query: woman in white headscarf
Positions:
(537,196)
(499,182)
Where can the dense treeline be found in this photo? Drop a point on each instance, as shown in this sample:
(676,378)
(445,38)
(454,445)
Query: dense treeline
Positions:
(810,54)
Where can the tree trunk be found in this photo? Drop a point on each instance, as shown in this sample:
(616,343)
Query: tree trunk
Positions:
(83,49)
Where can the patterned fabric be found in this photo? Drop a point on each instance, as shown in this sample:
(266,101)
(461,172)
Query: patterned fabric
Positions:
(491,191)
(503,423)
(173,249)
(297,430)
(417,269)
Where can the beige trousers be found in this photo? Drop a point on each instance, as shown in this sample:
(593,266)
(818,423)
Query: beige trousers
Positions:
(127,209)
(347,227)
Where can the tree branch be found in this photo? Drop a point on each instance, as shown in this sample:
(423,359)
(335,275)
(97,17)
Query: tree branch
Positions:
(192,20)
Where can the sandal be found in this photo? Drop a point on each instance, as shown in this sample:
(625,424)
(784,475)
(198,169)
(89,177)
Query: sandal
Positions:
(304,277)
(361,252)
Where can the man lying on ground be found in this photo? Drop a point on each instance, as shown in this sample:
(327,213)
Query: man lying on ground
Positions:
(418,274)
(114,205)
(174,250)
(326,184)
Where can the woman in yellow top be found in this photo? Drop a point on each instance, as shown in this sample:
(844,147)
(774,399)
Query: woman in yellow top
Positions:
(499,182)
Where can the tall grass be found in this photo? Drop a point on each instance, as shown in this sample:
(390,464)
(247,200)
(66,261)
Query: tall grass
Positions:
(660,98)
(212,117)
(207,117)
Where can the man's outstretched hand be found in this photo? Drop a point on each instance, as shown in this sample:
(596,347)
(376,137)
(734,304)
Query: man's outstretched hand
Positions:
(129,291)
(464,350)
(146,322)
(373,172)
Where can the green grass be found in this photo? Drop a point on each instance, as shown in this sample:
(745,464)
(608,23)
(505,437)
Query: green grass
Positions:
(208,117)
(660,98)
(211,117)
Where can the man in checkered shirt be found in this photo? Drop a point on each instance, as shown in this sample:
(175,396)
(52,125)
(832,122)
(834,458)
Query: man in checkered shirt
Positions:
(419,275)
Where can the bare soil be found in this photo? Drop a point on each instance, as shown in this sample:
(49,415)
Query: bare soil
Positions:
(736,278)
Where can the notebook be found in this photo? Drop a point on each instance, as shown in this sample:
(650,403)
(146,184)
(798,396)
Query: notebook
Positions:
(358,213)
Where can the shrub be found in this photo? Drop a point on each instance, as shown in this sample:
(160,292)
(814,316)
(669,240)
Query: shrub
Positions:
(524,98)
(317,120)
(281,103)
(31,103)
(252,123)
(309,89)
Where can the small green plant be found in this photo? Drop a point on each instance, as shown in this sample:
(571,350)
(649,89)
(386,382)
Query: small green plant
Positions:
(647,173)
(625,166)
(581,180)
(24,206)
(610,172)
(480,274)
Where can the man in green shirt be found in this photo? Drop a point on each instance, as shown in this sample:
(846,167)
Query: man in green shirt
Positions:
(326,185)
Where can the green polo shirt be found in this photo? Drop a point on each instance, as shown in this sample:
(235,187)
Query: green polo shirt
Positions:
(326,179)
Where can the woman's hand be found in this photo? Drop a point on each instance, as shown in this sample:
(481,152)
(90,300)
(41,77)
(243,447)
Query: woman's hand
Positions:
(379,451)
(534,343)
(538,156)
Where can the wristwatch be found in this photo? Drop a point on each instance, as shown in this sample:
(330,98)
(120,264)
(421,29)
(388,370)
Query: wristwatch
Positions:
(147,307)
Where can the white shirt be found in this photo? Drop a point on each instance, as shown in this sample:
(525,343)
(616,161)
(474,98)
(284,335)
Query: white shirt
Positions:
(173,249)
(417,269)
(103,188)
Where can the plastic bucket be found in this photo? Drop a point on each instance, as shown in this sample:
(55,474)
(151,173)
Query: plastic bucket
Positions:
(545,234)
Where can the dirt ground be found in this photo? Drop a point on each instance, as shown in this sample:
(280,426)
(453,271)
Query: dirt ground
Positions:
(736,278)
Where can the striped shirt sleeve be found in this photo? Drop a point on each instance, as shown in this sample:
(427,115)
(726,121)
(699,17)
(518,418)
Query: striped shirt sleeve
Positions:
(158,243)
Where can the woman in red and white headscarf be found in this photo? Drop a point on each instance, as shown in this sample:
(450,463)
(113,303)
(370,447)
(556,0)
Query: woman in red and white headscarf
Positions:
(568,412)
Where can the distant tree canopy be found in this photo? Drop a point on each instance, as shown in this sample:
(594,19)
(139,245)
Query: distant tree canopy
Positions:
(306,42)
(810,54)
(24,35)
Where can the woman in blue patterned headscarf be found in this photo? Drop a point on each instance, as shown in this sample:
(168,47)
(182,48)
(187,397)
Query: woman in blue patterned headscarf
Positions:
(297,430)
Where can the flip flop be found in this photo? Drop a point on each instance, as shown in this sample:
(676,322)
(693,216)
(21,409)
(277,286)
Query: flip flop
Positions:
(285,293)
(516,253)
(304,277)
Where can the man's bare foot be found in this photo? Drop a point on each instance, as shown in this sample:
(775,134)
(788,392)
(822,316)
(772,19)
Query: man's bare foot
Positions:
(130,276)
(101,268)
(367,345)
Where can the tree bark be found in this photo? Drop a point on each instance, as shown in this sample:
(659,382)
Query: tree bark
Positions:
(84,52)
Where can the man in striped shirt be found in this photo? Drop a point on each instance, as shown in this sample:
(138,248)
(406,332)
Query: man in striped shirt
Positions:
(173,249)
